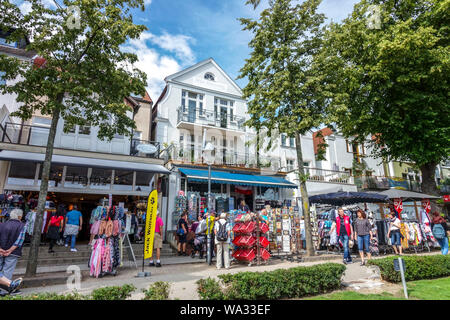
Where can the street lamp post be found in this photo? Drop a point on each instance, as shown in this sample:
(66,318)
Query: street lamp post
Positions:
(207,154)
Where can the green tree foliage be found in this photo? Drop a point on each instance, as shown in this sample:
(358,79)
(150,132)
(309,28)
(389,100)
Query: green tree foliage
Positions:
(284,89)
(85,76)
(390,79)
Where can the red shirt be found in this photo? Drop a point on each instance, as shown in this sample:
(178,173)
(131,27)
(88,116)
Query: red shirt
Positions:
(56,221)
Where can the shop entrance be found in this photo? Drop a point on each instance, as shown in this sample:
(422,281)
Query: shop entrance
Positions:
(86,203)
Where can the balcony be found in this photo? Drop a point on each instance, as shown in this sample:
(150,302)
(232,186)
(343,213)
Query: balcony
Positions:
(187,118)
(383,183)
(328,176)
(193,155)
(33,135)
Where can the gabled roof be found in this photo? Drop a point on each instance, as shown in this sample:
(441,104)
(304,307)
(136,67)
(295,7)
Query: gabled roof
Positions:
(202,63)
(319,140)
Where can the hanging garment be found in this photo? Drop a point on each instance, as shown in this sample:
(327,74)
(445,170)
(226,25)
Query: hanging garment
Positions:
(109,228)
(102,228)
(405,235)
(95,227)
(128,224)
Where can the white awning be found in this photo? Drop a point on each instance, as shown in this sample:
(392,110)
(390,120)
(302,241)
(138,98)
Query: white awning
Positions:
(84,162)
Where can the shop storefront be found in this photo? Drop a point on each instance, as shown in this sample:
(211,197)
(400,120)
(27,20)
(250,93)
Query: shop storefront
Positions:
(86,182)
(228,188)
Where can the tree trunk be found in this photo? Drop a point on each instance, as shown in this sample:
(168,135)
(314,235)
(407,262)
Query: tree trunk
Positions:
(36,239)
(257,147)
(304,194)
(429,183)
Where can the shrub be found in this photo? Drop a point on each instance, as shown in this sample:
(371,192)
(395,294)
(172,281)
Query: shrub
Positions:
(46,296)
(157,291)
(113,293)
(209,289)
(283,283)
(417,267)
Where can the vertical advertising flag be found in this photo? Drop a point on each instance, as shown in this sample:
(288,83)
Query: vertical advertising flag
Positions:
(398,205)
(150,221)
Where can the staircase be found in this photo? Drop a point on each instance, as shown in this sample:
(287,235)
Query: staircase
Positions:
(64,257)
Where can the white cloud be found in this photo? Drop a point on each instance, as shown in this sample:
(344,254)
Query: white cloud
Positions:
(147,2)
(178,44)
(157,66)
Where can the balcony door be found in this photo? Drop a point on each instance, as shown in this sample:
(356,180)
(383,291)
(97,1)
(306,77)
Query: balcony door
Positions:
(223,117)
(192,110)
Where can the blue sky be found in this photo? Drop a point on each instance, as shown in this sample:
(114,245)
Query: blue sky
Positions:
(188,31)
(184,32)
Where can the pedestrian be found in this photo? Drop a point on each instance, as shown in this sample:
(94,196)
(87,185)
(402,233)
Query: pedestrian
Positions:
(182,229)
(243,206)
(12,236)
(200,237)
(61,211)
(222,232)
(344,231)
(54,228)
(73,225)
(210,222)
(157,241)
(440,231)
(394,233)
(364,235)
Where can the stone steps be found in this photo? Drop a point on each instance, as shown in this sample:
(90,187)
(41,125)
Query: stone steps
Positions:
(63,256)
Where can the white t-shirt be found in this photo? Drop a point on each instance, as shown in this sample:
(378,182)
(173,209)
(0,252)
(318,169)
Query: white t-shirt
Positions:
(396,222)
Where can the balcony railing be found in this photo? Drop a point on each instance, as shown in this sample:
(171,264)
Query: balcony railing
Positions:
(194,155)
(383,183)
(210,118)
(329,176)
(32,135)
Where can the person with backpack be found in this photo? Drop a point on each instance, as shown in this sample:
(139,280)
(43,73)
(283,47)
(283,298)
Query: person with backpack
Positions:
(440,230)
(222,232)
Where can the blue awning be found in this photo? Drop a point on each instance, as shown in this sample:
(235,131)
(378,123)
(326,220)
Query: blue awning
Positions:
(224,177)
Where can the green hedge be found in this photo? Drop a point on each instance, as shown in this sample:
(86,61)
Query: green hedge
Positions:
(106,293)
(417,267)
(282,283)
(159,290)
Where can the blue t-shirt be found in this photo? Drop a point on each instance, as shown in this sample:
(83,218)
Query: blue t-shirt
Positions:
(73,217)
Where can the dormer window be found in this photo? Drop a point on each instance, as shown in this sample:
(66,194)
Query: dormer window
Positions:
(209,76)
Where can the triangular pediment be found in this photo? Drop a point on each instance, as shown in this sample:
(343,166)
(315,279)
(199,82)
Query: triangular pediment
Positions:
(217,79)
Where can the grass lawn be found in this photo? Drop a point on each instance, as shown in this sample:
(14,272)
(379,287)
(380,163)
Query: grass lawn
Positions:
(352,295)
(436,289)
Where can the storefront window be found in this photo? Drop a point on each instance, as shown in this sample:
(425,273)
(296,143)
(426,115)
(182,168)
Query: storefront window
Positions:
(22,173)
(123,180)
(100,179)
(55,176)
(76,177)
(143,180)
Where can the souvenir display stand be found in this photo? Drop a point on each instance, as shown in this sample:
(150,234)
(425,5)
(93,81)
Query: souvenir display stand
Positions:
(284,232)
(249,239)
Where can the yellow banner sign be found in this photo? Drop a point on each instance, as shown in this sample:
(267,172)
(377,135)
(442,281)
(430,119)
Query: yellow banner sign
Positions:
(150,221)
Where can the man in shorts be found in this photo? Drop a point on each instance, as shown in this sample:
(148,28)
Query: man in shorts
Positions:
(157,241)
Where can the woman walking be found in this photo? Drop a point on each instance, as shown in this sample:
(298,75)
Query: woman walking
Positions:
(54,229)
(182,229)
(440,231)
(394,233)
(364,235)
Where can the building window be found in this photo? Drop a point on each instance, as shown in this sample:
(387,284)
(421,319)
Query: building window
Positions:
(86,130)
(2,79)
(22,173)
(209,76)
(68,128)
(283,140)
(290,164)
(292,142)
(41,121)
(76,177)
(123,180)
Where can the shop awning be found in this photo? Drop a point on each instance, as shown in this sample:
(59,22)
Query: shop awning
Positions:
(224,177)
(84,162)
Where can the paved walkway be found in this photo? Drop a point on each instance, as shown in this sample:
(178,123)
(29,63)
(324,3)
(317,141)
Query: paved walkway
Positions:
(183,277)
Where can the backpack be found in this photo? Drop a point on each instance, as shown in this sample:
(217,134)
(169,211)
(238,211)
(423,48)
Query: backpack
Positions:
(438,231)
(222,234)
